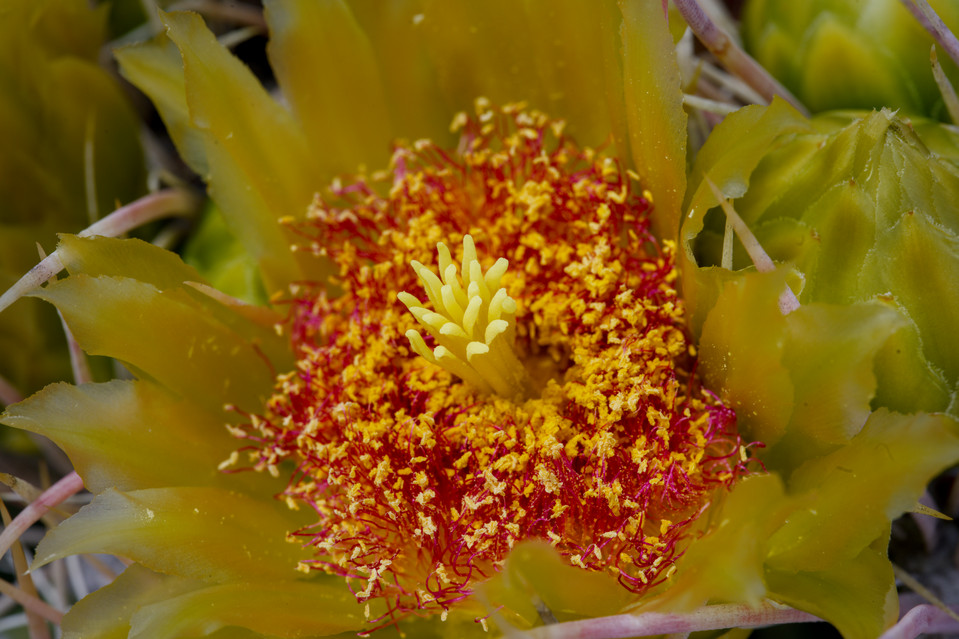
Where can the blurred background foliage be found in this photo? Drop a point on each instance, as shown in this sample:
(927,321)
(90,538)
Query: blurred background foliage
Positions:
(72,153)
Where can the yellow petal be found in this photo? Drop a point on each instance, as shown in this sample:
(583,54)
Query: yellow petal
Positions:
(324,63)
(260,166)
(417,106)
(156,68)
(654,110)
(548,53)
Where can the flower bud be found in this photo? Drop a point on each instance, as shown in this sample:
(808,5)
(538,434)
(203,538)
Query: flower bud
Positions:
(864,210)
(838,54)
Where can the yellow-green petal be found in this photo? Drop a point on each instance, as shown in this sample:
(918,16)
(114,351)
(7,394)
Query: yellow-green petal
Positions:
(106,613)
(286,609)
(830,352)
(163,327)
(203,533)
(131,435)
(535,573)
(493,50)
(745,365)
(858,596)
(165,335)
(417,106)
(132,258)
(803,384)
(857,490)
(727,564)
(260,167)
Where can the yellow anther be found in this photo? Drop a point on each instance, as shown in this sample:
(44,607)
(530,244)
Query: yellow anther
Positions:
(473,322)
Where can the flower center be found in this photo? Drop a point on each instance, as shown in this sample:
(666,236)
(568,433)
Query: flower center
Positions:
(474,324)
(580,421)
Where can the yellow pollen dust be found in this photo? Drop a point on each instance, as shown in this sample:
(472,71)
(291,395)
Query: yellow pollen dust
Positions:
(473,324)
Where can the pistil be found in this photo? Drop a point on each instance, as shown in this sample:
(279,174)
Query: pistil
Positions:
(473,325)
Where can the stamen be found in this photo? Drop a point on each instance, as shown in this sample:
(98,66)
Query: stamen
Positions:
(473,323)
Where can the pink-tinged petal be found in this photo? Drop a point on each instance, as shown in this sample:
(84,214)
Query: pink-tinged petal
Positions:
(210,534)
(131,435)
(336,96)
(287,609)
(179,337)
(654,110)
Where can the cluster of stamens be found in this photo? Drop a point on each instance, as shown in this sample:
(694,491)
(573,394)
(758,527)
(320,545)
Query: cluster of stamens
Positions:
(557,401)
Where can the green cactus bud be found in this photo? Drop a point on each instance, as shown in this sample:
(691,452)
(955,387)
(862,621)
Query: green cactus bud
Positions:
(865,212)
(840,54)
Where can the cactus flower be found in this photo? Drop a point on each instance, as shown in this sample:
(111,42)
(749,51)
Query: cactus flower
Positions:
(474,404)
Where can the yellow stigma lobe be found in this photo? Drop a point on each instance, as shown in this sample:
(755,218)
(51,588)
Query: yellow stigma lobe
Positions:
(473,323)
